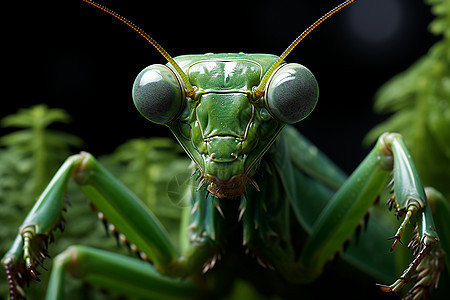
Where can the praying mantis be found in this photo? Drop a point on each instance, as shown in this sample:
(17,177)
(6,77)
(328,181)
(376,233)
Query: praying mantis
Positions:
(256,178)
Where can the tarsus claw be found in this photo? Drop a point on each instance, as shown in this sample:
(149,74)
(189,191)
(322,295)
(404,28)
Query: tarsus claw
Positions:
(34,273)
(384,288)
(427,268)
(396,239)
(400,230)
(395,287)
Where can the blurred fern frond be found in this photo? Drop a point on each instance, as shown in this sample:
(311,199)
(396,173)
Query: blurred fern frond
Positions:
(30,156)
(147,167)
(419,101)
(39,148)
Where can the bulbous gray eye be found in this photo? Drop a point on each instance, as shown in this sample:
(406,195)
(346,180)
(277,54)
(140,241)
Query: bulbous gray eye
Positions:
(291,93)
(158,94)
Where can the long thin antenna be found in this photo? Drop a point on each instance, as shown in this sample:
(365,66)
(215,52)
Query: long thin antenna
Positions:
(189,88)
(259,90)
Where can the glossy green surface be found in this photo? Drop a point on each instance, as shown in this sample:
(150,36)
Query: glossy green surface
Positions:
(160,84)
(259,190)
(291,93)
(102,268)
(223,128)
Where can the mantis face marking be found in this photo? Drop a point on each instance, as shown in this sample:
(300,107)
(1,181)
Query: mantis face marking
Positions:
(222,126)
(256,93)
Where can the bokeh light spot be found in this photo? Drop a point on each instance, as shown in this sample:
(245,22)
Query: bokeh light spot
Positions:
(376,21)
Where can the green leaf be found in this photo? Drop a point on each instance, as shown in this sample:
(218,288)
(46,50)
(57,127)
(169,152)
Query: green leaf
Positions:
(419,101)
(36,116)
(439,123)
(23,137)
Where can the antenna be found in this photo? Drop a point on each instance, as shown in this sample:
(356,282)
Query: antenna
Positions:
(189,88)
(259,90)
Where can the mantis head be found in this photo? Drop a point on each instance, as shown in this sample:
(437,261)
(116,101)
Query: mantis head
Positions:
(222,126)
(226,110)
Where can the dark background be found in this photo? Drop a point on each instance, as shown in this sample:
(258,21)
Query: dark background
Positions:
(70,55)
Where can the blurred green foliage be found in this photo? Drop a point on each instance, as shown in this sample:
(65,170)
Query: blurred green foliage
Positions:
(35,148)
(28,159)
(30,156)
(147,167)
(419,101)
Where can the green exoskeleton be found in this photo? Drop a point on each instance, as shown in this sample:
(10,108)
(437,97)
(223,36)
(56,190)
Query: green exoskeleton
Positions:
(261,191)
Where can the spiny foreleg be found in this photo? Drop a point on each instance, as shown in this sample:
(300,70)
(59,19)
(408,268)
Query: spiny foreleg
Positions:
(428,251)
(410,202)
(349,205)
(30,246)
(129,216)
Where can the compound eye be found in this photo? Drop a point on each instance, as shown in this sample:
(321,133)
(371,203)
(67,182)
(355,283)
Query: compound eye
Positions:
(158,94)
(291,93)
